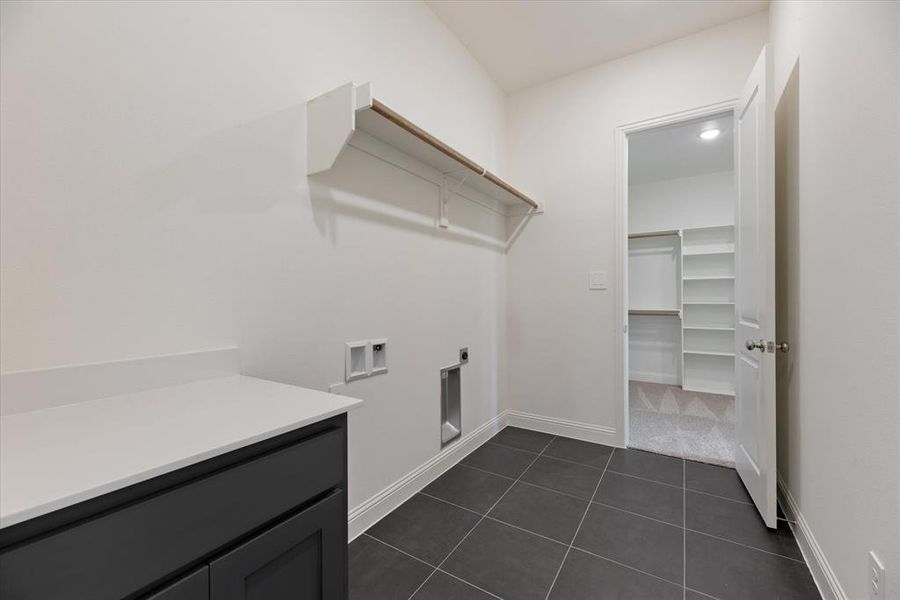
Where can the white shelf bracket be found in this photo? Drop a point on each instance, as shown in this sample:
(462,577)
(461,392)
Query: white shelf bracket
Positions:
(443,219)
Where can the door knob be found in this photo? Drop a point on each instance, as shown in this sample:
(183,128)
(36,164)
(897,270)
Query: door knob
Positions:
(764,346)
(760,345)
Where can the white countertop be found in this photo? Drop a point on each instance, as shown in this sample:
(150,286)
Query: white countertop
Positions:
(56,457)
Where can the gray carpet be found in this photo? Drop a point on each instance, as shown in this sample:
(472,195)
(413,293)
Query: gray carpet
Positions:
(692,425)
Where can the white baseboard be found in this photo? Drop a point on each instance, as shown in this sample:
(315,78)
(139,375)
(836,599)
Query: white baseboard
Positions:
(381,504)
(598,434)
(822,573)
(649,377)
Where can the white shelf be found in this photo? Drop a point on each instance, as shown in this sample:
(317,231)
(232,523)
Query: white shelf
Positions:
(708,301)
(350,115)
(703,241)
(709,352)
(709,250)
(708,277)
(708,387)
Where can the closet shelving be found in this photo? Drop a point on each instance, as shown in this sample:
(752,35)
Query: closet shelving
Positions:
(707,292)
(701,293)
(653,258)
(351,116)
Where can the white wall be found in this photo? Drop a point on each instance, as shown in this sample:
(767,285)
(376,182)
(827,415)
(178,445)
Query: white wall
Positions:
(562,337)
(838,196)
(154,200)
(697,201)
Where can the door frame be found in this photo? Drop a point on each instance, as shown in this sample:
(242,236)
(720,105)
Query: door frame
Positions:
(621,241)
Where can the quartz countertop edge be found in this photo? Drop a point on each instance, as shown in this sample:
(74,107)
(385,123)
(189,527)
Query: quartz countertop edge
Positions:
(54,458)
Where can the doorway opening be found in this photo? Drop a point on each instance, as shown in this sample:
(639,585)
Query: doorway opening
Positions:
(680,292)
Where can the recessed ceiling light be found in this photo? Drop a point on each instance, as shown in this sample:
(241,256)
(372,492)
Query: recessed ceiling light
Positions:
(709,134)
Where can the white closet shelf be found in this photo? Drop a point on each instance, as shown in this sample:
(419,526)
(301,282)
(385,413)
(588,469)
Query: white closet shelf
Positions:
(708,303)
(707,352)
(350,115)
(687,251)
(708,387)
(708,277)
(708,328)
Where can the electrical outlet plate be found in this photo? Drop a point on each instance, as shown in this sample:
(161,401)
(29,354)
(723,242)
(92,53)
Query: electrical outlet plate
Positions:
(379,356)
(876,579)
(463,356)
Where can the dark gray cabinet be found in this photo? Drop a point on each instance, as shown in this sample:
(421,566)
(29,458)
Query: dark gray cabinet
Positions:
(265,521)
(298,558)
(194,586)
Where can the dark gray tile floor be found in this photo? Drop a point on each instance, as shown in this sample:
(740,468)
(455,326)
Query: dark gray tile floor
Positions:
(530,515)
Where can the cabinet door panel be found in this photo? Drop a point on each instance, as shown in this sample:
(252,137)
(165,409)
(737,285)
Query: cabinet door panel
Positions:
(303,557)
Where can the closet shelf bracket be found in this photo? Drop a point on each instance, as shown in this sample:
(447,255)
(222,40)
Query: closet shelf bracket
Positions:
(446,181)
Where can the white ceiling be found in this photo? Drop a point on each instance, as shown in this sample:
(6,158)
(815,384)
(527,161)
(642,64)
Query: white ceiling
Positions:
(522,43)
(676,151)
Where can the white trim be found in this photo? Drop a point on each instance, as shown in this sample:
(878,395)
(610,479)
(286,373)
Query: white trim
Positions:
(369,512)
(822,573)
(621,244)
(599,434)
(650,377)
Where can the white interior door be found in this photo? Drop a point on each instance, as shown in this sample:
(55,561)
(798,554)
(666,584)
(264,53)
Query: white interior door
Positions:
(755,290)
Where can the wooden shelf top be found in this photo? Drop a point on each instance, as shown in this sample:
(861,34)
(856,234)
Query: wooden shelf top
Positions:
(655,313)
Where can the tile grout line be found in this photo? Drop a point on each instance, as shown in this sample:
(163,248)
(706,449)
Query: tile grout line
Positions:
(719,497)
(682,487)
(748,547)
(684,529)
(495,519)
(459,543)
(625,566)
(580,523)
(546,489)
(704,594)
(549,539)
(483,471)
(567,460)
(424,562)
(671,485)
(469,583)
(654,519)
(535,484)
(459,506)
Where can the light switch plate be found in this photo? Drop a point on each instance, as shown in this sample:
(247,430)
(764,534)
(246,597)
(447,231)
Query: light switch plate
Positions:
(597,280)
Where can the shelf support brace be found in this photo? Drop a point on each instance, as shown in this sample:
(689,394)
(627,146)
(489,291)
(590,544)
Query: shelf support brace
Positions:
(443,219)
